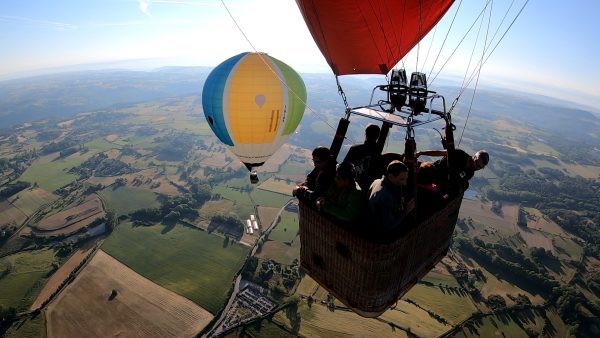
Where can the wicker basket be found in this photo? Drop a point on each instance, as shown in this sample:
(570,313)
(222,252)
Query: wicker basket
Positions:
(366,276)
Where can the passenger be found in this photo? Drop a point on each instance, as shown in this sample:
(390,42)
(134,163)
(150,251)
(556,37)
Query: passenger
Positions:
(463,168)
(343,199)
(387,205)
(365,157)
(430,198)
(318,180)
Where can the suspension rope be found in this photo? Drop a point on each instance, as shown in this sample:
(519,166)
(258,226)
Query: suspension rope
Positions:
(429,49)
(445,38)
(478,73)
(493,49)
(461,41)
(318,115)
(420,27)
(473,51)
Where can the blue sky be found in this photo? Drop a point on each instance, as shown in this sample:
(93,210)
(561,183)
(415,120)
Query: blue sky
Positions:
(553,47)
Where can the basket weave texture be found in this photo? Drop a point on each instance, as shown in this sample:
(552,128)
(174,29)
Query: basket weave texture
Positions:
(370,277)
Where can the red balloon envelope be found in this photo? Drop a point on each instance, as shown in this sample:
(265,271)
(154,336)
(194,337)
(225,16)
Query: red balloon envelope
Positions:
(369,37)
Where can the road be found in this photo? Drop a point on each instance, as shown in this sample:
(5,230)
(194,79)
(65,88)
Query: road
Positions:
(216,330)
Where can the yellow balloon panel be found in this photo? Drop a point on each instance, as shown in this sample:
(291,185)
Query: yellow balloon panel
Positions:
(254,103)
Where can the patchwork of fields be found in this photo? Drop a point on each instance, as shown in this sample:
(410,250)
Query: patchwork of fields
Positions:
(109,299)
(187,261)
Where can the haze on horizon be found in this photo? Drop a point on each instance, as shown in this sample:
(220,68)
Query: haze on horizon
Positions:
(551,49)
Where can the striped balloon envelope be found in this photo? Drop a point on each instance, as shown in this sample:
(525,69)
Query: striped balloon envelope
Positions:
(253,103)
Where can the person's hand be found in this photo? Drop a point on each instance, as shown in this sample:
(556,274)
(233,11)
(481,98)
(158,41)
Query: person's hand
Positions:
(320,203)
(298,190)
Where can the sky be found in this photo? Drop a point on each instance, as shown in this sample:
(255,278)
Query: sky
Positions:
(552,48)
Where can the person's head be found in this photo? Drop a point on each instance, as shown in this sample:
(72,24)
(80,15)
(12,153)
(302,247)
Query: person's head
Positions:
(320,157)
(344,174)
(372,133)
(397,173)
(480,159)
(426,173)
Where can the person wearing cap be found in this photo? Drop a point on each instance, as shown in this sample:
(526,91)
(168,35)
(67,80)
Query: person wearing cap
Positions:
(387,203)
(464,166)
(343,199)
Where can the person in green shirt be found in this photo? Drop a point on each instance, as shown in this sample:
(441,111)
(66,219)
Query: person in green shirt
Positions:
(343,198)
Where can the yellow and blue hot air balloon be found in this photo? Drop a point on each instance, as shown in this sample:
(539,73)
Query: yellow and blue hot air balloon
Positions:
(253,102)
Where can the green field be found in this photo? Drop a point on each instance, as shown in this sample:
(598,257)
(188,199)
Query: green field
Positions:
(29,327)
(232,195)
(27,271)
(265,328)
(100,144)
(294,168)
(287,228)
(189,262)
(493,327)
(51,173)
(269,199)
(448,304)
(438,278)
(125,199)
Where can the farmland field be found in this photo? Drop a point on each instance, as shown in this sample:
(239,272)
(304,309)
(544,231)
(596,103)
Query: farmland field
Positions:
(280,252)
(278,185)
(88,210)
(449,305)
(62,273)
(481,213)
(51,173)
(295,168)
(124,200)
(287,228)
(28,327)
(12,214)
(189,262)
(318,321)
(138,307)
(266,215)
(29,200)
(493,327)
(24,281)
(436,277)
(268,198)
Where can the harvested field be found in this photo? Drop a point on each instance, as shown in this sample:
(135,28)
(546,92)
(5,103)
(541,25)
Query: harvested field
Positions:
(279,185)
(4,205)
(535,238)
(481,213)
(277,159)
(215,160)
(62,273)
(12,215)
(29,200)
(80,215)
(539,221)
(139,308)
(266,215)
(111,137)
